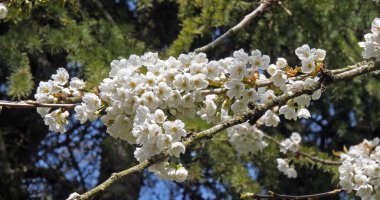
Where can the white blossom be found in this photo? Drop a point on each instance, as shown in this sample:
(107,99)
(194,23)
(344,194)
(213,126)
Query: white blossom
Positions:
(249,95)
(303,52)
(316,95)
(73,196)
(77,83)
(235,88)
(181,174)
(57,120)
(302,100)
(258,61)
(92,101)
(209,109)
(43,111)
(308,64)
(241,57)
(279,78)
(375,25)
(213,70)
(237,71)
(176,149)
(272,69)
(162,90)
(371,44)
(3,11)
(199,81)
(303,113)
(61,77)
(270,118)
(289,112)
(182,82)
(320,54)
(281,63)
(149,100)
(175,129)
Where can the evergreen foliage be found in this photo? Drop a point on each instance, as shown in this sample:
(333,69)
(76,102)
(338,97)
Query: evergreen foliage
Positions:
(39,36)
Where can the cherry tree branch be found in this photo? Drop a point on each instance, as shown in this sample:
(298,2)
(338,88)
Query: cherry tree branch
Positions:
(117,176)
(299,152)
(273,195)
(34,104)
(252,116)
(246,20)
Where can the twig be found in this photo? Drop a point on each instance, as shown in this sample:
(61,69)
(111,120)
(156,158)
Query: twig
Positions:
(34,104)
(273,195)
(106,14)
(246,20)
(313,158)
(117,176)
(252,116)
(285,8)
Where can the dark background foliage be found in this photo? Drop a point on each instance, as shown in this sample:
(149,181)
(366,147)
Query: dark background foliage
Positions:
(85,36)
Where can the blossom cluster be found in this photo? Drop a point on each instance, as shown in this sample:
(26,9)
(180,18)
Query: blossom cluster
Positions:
(360,170)
(371,44)
(311,60)
(242,68)
(145,99)
(289,144)
(169,171)
(155,134)
(283,166)
(58,90)
(246,138)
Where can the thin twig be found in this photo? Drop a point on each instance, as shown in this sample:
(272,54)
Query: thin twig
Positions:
(246,20)
(117,176)
(313,158)
(33,104)
(273,195)
(252,116)
(106,14)
(285,8)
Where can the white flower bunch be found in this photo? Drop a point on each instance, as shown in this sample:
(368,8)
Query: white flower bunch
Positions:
(246,138)
(360,170)
(371,44)
(283,166)
(291,144)
(309,57)
(155,134)
(165,170)
(145,99)
(295,108)
(58,90)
